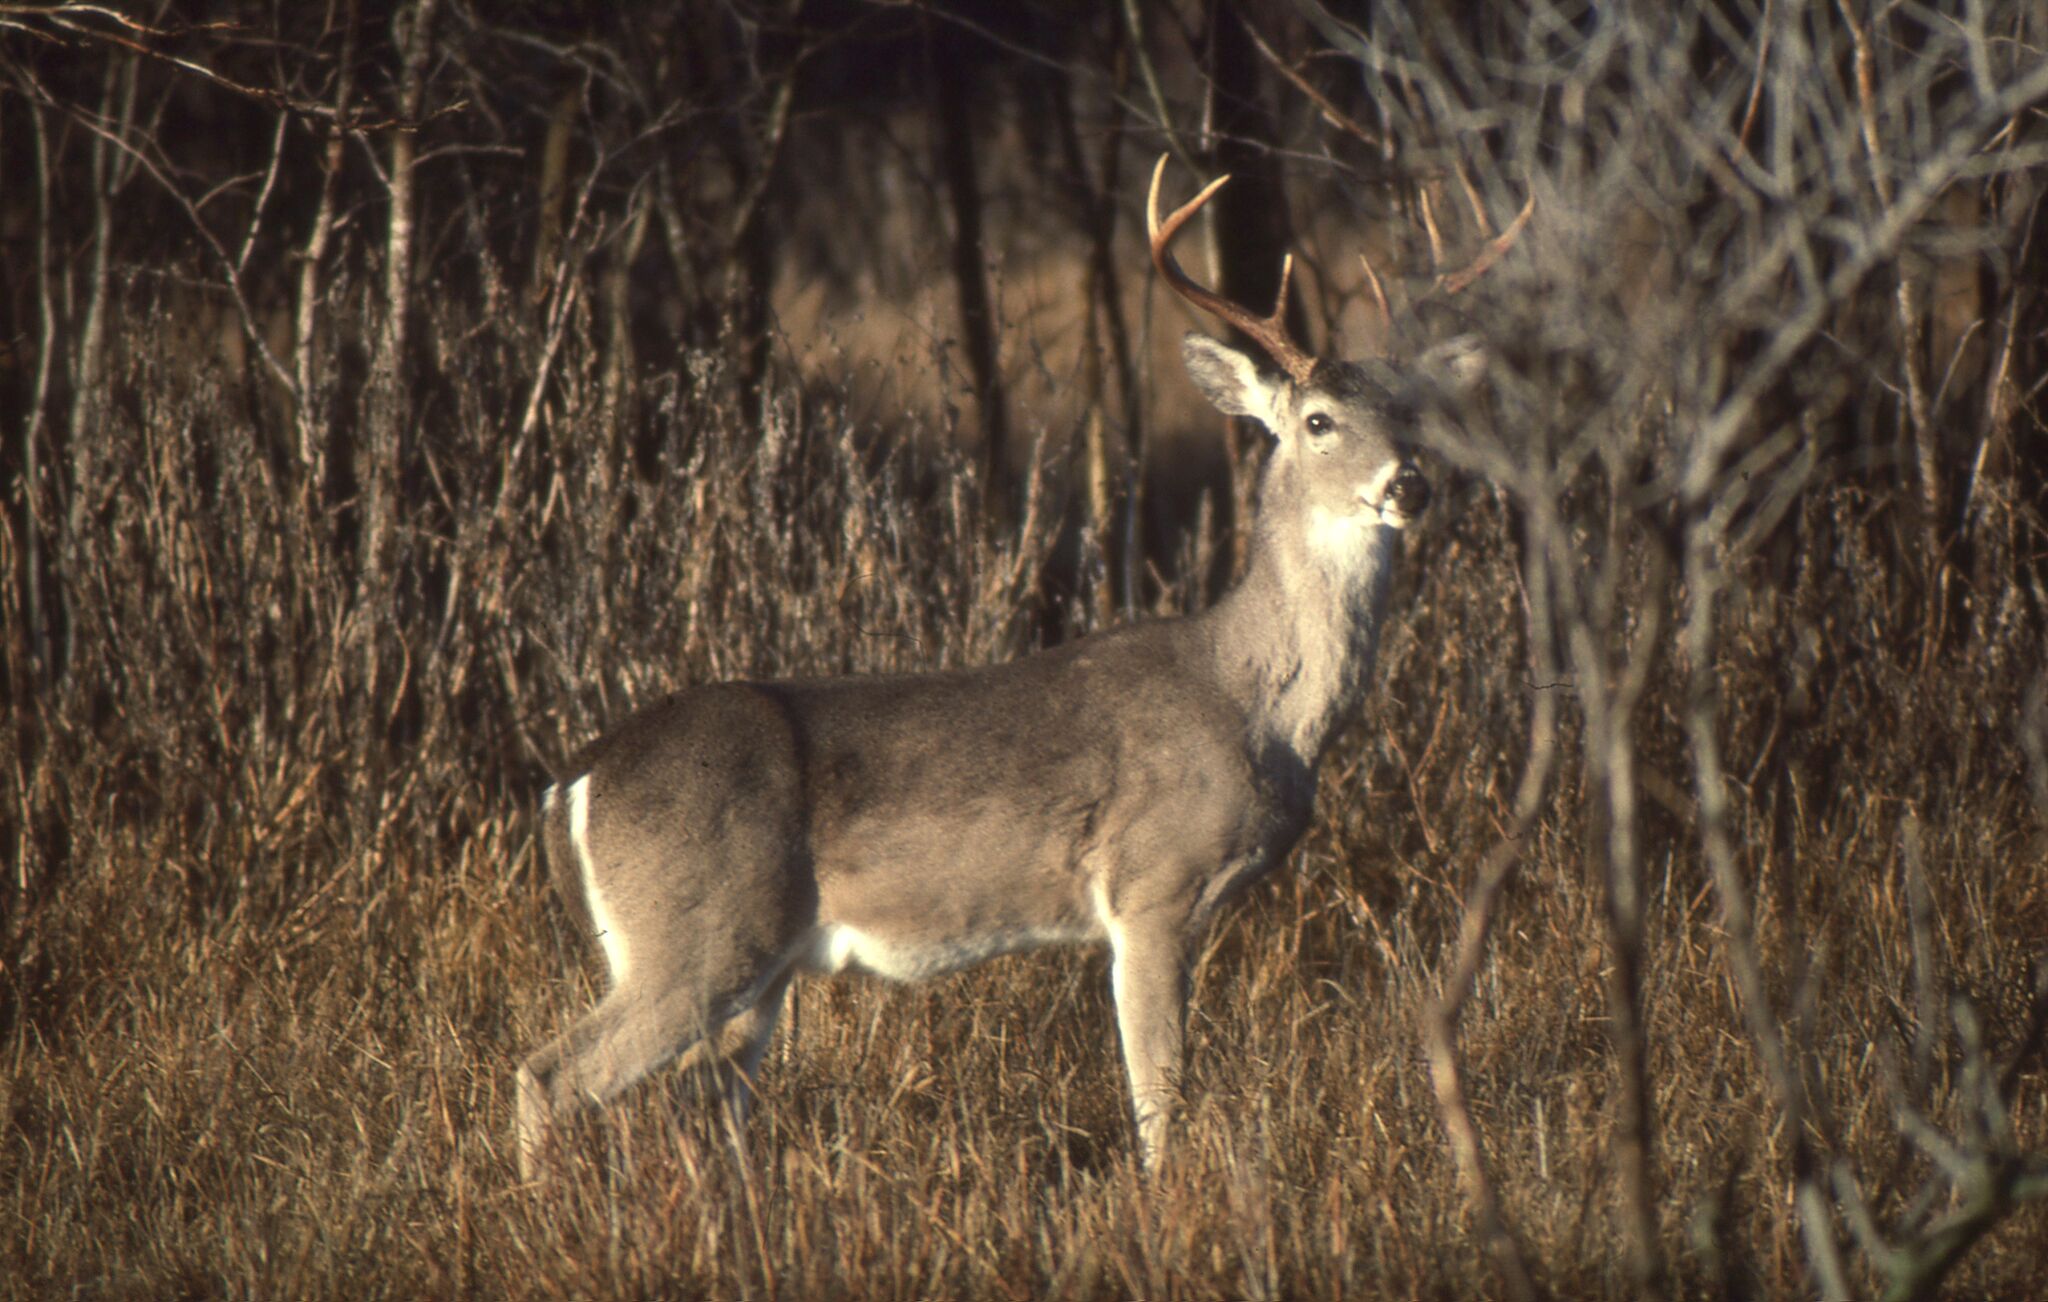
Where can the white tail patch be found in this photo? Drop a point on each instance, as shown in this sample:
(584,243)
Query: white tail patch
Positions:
(601,918)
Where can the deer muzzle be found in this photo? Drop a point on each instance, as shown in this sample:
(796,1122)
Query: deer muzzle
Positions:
(1408,496)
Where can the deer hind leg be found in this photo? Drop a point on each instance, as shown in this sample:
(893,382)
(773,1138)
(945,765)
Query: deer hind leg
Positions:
(742,1044)
(627,1035)
(636,1029)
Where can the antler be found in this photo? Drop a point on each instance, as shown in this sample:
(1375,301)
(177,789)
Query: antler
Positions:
(1457,282)
(1268,332)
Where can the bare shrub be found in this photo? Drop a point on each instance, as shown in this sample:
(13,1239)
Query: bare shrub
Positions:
(1697,817)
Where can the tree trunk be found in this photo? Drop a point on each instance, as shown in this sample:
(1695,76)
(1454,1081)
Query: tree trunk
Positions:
(390,405)
(952,107)
(1250,227)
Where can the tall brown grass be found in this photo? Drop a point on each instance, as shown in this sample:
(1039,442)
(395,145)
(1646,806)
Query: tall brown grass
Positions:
(279,940)
(294,629)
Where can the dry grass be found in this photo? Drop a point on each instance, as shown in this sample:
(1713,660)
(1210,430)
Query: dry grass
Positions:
(273,935)
(275,953)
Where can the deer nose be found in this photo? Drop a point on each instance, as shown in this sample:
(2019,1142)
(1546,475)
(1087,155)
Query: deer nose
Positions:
(1409,492)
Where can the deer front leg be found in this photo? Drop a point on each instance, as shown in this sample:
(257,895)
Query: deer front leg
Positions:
(1148,978)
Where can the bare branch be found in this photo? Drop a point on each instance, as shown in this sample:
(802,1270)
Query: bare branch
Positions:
(65,18)
(1475,926)
(1868,249)
(1335,116)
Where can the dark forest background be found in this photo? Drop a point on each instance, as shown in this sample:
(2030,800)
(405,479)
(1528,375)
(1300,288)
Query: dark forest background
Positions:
(394,393)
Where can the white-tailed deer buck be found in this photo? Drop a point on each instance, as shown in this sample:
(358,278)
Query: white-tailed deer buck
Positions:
(1116,790)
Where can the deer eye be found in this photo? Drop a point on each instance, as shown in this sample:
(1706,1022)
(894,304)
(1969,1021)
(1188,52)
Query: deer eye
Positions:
(1320,424)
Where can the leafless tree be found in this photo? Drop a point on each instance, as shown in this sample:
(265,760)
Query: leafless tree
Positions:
(1720,198)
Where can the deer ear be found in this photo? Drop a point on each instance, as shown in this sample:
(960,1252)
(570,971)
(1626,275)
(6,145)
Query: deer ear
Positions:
(1456,365)
(1231,379)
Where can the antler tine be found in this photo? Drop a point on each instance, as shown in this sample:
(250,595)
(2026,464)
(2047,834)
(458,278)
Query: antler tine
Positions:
(1379,295)
(1268,332)
(1457,282)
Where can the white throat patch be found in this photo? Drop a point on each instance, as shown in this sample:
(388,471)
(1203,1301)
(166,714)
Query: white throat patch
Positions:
(1343,540)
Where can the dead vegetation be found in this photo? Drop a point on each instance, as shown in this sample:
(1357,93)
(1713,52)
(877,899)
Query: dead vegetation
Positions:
(1757,980)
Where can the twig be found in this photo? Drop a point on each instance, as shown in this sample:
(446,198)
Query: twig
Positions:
(1440,1021)
(1150,76)
(1958,148)
(1756,83)
(64,17)
(232,277)
(1702,581)
(1335,116)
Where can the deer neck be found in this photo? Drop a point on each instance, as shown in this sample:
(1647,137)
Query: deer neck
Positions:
(1295,640)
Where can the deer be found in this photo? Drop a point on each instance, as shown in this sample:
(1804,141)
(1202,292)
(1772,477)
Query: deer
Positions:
(1116,790)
